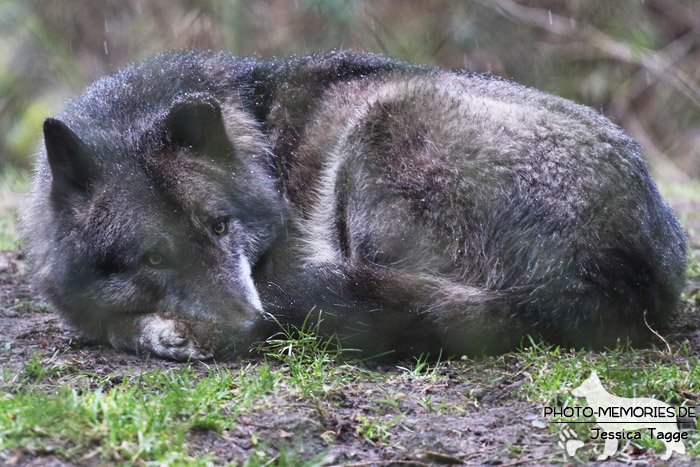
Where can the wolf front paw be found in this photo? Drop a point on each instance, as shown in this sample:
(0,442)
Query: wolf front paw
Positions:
(177,338)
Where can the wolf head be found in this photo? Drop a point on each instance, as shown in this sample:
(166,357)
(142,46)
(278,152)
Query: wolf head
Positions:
(137,211)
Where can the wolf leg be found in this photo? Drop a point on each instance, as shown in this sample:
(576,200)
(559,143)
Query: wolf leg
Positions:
(379,309)
(163,335)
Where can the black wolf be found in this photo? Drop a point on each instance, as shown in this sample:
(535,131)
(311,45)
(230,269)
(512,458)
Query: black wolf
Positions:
(183,201)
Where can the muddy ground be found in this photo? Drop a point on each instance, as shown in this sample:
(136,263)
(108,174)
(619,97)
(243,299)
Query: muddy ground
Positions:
(494,424)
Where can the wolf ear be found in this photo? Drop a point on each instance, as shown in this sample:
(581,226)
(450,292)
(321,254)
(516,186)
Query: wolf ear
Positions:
(72,169)
(198,124)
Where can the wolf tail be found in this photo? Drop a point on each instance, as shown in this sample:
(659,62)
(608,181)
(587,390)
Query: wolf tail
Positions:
(575,290)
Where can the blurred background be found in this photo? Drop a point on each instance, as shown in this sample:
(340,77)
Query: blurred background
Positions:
(637,61)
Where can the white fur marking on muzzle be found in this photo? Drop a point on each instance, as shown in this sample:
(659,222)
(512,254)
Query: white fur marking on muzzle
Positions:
(251,292)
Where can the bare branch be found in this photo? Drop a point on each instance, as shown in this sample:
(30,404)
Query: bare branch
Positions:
(656,62)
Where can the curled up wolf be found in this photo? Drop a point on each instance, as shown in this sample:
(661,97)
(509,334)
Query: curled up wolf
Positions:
(183,202)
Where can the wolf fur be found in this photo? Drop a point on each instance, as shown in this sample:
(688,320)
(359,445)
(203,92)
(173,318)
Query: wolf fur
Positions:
(183,201)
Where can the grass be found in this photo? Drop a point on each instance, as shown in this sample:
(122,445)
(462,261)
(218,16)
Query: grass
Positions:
(693,264)
(308,359)
(13,184)
(688,190)
(375,430)
(147,417)
(625,372)
(422,368)
(151,416)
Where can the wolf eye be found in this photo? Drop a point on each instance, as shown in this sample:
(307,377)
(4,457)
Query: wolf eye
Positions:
(154,259)
(220,227)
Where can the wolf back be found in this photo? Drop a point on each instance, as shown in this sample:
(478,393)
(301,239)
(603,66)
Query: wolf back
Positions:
(183,202)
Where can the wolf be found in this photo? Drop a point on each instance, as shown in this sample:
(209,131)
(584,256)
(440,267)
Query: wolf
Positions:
(187,205)
(641,415)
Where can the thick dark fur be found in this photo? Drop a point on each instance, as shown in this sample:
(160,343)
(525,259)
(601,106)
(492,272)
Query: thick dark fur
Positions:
(418,209)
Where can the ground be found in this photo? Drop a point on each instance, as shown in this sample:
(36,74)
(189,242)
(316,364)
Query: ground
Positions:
(63,402)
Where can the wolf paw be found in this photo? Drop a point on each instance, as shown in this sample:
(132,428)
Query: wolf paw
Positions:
(569,442)
(177,339)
